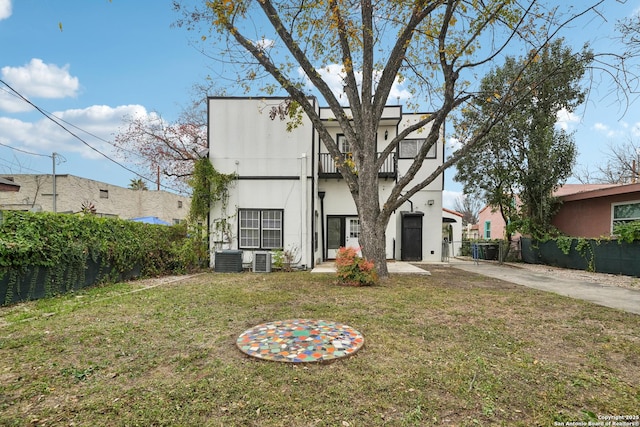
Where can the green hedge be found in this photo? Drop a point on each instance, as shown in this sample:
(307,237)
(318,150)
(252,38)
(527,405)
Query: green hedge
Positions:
(43,254)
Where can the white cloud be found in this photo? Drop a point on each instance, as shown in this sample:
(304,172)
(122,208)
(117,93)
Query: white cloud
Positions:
(607,131)
(5,9)
(566,119)
(601,127)
(44,136)
(264,44)
(334,75)
(452,145)
(11,103)
(39,80)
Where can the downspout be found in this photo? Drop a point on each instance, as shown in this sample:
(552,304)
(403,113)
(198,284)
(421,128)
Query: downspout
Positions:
(313,198)
(304,228)
(324,246)
(209,158)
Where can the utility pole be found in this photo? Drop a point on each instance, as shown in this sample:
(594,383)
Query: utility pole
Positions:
(53,157)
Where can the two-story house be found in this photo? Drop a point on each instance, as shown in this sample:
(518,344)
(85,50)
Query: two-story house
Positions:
(290,196)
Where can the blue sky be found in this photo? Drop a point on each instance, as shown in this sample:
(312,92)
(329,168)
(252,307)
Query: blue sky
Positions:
(113,59)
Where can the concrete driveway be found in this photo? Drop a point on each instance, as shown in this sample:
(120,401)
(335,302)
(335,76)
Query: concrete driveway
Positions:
(597,293)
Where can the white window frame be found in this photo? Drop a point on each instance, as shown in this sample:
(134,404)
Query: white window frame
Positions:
(416,144)
(613,212)
(343,144)
(262,223)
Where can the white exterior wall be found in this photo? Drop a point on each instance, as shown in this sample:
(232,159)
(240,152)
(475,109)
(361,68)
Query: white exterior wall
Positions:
(273,167)
(456,227)
(36,192)
(278,169)
(338,200)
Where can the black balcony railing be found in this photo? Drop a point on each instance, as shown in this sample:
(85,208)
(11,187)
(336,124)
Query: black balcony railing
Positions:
(327,167)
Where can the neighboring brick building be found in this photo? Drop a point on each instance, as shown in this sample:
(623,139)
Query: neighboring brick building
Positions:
(587,210)
(73,193)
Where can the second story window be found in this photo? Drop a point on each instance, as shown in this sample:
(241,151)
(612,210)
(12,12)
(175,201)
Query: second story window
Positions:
(104,194)
(343,144)
(409,149)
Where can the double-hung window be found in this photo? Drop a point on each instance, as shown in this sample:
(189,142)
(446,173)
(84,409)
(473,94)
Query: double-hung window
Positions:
(260,228)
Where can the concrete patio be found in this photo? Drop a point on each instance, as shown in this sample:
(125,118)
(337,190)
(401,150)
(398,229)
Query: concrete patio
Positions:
(395,267)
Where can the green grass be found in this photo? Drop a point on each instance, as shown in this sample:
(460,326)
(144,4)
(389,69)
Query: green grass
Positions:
(453,348)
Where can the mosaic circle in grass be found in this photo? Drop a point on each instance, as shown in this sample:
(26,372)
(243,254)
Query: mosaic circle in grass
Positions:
(300,341)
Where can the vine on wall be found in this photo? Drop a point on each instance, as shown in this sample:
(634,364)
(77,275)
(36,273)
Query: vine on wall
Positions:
(210,187)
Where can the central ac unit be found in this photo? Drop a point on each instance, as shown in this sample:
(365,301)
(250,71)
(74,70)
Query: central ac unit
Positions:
(262,262)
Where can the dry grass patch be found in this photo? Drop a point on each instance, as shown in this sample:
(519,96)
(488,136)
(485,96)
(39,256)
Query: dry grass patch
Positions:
(453,348)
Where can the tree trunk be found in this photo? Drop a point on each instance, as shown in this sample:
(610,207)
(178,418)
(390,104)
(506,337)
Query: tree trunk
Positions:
(372,227)
(373,244)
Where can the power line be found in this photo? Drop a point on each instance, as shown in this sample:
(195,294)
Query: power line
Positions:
(99,138)
(50,117)
(23,151)
(19,166)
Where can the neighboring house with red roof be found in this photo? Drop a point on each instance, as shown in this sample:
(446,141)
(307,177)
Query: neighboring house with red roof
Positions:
(587,210)
(592,210)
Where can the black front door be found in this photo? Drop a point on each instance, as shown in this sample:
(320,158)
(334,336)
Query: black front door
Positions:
(411,246)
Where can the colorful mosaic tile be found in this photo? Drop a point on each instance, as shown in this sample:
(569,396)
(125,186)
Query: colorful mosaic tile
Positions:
(300,341)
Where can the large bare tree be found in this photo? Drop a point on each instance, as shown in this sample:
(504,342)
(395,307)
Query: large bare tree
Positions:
(439,49)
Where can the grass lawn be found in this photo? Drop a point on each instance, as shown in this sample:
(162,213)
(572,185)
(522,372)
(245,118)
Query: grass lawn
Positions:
(454,348)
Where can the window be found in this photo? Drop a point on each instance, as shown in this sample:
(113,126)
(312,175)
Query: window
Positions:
(260,229)
(354,228)
(487,229)
(343,144)
(179,204)
(104,194)
(409,149)
(625,212)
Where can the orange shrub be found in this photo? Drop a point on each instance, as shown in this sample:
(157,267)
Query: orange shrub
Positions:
(354,270)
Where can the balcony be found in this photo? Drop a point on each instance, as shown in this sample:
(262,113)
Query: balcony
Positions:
(327,167)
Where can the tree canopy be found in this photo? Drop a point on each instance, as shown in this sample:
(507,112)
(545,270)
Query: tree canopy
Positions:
(437,49)
(138,184)
(526,156)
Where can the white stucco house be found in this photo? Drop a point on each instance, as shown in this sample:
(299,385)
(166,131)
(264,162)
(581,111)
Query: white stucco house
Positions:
(451,233)
(290,196)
